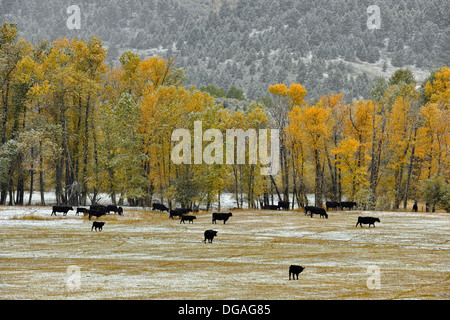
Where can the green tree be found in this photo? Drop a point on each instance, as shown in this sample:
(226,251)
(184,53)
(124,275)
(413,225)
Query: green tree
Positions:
(235,93)
(436,191)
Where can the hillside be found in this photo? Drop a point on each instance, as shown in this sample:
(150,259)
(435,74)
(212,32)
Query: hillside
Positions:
(325,45)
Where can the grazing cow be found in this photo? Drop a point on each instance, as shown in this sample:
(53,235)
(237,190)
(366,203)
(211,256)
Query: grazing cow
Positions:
(367,220)
(321,212)
(187,218)
(159,207)
(63,209)
(270,207)
(115,209)
(283,205)
(317,210)
(99,208)
(98,225)
(96,213)
(308,209)
(209,235)
(82,210)
(348,204)
(221,216)
(295,271)
(332,205)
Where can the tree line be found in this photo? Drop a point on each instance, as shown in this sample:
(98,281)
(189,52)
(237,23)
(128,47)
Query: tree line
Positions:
(73,124)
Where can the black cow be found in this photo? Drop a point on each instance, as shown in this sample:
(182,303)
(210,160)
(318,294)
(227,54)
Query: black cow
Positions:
(270,207)
(96,213)
(115,209)
(63,209)
(415,208)
(332,205)
(99,208)
(295,271)
(178,212)
(84,211)
(348,204)
(209,235)
(283,205)
(98,225)
(367,220)
(221,216)
(308,209)
(321,212)
(316,210)
(159,207)
(187,218)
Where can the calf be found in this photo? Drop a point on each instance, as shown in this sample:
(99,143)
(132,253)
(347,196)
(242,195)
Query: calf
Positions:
(63,209)
(187,218)
(295,271)
(98,225)
(159,207)
(367,220)
(283,205)
(221,216)
(209,235)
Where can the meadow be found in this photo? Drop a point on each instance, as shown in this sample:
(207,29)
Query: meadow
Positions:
(146,255)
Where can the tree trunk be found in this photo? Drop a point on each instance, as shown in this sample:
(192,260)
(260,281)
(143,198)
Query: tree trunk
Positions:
(31,182)
(41,175)
(276,188)
(318,181)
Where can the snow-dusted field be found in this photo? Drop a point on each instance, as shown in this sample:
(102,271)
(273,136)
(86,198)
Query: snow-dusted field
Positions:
(145,255)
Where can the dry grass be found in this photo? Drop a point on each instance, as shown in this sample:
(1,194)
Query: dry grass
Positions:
(145,255)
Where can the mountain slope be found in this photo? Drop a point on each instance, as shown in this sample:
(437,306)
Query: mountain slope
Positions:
(323,44)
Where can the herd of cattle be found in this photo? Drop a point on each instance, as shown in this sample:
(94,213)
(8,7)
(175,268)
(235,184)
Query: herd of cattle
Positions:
(184,215)
(94,210)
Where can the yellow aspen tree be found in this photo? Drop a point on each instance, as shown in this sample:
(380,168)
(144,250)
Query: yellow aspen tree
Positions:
(312,125)
(285,99)
(358,125)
